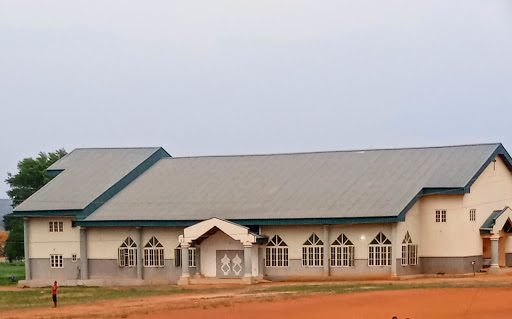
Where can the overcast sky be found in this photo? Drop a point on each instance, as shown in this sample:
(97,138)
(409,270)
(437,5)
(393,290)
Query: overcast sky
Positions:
(237,77)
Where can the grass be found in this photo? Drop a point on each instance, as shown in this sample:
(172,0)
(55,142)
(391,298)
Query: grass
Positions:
(16,269)
(35,298)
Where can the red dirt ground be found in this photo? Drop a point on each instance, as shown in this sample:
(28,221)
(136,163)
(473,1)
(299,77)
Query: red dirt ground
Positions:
(450,303)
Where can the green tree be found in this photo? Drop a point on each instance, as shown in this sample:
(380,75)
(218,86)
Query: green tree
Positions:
(30,178)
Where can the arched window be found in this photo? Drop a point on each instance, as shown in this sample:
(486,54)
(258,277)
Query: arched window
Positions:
(313,252)
(409,251)
(342,252)
(127,253)
(276,253)
(153,253)
(379,251)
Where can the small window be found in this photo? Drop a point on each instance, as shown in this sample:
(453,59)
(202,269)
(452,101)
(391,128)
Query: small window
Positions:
(73,224)
(55,227)
(56,261)
(73,258)
(276,253)
(192,257)
(472,215)
(441,216)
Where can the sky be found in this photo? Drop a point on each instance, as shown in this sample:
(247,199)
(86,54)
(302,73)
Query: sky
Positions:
(247,77)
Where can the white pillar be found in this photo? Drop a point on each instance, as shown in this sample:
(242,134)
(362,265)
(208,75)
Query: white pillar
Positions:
(395,244)
(138,242)
(26,246)
(84,264)
(248,262)
(261,262)
(494,251)
(185,275)
(327,251)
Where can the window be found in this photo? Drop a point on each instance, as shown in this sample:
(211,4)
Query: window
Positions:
(154,253)
(472,215)
(379,251)
(441,216)
(177,257)
(73,258)
(127,253)
(276,253)
(56,261)
(313,252)
(192,257)
(409,251)
(342,252)
(55,227)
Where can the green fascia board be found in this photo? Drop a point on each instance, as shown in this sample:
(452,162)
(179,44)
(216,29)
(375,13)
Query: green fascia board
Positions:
(70,212)
(243,222)
(499,151)
(123,182)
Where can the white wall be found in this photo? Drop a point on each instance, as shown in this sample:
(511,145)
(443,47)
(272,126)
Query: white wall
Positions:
(42,243)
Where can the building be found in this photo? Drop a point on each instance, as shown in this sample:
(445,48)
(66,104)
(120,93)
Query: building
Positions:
(138,215)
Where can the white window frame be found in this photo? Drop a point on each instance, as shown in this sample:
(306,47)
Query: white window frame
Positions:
(55,226)
(440,215)
(379,254)
(276,253)
(73,258)
(154,254)
(313,252)
(192,257)
(472,215)
(409,252)
(342,252)
(56,261)
(127,253)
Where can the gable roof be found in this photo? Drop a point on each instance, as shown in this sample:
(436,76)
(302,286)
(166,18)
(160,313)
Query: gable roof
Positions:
(83,176)
(348,186)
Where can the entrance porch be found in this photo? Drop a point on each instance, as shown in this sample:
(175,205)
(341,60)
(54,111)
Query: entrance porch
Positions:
(494,232)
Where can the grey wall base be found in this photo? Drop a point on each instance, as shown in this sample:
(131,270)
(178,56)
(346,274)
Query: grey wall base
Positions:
(450,265)
(40,269)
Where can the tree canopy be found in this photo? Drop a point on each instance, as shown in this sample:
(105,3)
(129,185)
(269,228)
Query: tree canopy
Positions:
(30,178)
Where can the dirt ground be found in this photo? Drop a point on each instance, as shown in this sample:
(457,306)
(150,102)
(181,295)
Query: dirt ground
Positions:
(464,303)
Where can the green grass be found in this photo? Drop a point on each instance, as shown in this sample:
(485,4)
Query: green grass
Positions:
(35,298)
(16,269)
(361,287)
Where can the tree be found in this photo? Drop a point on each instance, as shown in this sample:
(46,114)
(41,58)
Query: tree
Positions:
(3,237)
(30,178)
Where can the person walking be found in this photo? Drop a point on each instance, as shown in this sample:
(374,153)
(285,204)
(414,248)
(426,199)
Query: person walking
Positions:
(54,294)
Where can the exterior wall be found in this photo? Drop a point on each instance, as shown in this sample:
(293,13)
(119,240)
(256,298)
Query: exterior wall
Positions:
(295,236)
(450,265)
(40,269)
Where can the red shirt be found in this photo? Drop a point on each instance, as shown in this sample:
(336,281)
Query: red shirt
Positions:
(54,290)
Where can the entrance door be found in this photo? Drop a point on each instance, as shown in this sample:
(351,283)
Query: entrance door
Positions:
(230,263)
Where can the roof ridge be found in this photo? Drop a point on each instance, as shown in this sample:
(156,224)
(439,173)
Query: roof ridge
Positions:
(338,151)
(117,148)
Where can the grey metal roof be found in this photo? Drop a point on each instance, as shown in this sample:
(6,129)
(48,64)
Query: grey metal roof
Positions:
(344,184)
(87,173)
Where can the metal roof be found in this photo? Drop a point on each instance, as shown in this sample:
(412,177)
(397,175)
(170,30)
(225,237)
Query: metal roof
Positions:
(343,184)
(85,175)
(491,220)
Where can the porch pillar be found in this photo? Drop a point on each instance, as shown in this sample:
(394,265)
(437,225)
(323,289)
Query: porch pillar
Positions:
(261,262)
(138,242)
(84,264)
(248,262)
(494,253)
(185,274)
(198,261)
(327,251)
(394,249)
(26,246)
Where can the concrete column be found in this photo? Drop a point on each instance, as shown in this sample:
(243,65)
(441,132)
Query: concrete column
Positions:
(248,262)
(494,252)
(185,274)
(395,245)
(261,262)
(327,251)
(26,246)
(84,264)
(198,262)
(138,242)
